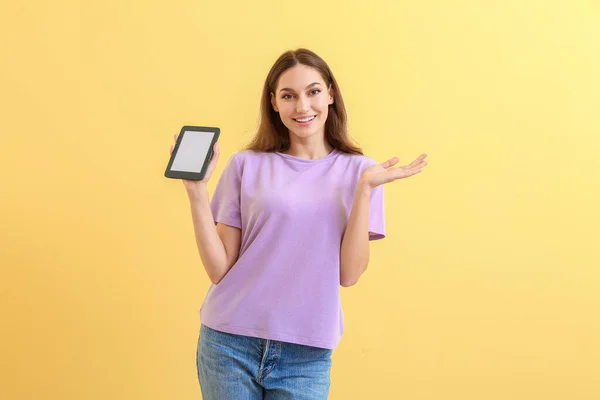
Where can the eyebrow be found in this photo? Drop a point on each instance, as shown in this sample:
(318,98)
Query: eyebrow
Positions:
(308,87)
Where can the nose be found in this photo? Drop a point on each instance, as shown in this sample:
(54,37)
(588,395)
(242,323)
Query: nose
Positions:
(301,104)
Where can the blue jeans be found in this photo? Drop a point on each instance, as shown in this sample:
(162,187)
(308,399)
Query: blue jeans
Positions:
(234,367)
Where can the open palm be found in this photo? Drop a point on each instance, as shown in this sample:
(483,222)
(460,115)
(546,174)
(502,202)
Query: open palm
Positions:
(378,174)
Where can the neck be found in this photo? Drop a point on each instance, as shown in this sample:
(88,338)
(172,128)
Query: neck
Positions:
(309,151)
(310,148)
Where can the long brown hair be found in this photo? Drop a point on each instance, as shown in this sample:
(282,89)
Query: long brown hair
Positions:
(272,134)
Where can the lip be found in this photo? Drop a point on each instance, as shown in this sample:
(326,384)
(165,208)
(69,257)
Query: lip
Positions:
(303,117)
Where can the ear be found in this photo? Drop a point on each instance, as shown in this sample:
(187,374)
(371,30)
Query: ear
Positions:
(273,102)
(331,95)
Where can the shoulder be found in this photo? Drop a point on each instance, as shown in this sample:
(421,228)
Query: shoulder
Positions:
(249,160)
(357,161)
(246,156)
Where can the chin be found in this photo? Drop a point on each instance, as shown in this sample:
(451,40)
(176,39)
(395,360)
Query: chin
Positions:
(304,132)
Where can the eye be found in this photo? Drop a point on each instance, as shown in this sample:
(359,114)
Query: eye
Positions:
(315,91)
(286,96)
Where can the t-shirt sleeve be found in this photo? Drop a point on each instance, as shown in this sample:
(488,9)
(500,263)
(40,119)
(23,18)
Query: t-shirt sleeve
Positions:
(225,203)
(376,214)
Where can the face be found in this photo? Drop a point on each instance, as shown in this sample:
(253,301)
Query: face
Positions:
(302,100)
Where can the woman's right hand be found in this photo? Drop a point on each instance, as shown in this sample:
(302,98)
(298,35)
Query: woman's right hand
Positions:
(194,186)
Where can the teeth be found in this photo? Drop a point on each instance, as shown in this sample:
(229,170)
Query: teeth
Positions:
(306,119)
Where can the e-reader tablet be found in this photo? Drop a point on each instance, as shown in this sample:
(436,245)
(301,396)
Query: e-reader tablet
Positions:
(192,152)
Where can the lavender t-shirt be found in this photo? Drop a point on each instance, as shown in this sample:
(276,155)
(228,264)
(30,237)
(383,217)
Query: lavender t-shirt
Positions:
(292,214)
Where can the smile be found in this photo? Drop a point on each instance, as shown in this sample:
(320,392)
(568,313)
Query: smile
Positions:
(301,120)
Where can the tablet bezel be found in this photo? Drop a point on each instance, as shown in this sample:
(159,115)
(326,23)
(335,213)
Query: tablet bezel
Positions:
(194,176)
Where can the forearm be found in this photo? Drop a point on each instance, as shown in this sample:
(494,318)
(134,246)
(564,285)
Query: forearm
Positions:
(354,255)
(211,248)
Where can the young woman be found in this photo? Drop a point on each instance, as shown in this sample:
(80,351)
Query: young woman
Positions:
(289,223)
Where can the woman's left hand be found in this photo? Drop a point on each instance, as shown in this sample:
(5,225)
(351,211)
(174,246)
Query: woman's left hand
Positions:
(378,174)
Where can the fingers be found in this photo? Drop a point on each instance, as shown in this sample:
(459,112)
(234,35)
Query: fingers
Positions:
(392,161)
(406,171)
(399,173)
(417,164)
(392,174)
(172,147)
(216,152)
(213,162)
(215,157)
(418,161)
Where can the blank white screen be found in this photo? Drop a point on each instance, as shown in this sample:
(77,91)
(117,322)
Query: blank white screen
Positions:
(192,151)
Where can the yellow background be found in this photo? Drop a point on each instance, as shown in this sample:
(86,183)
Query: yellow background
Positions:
(487,286)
